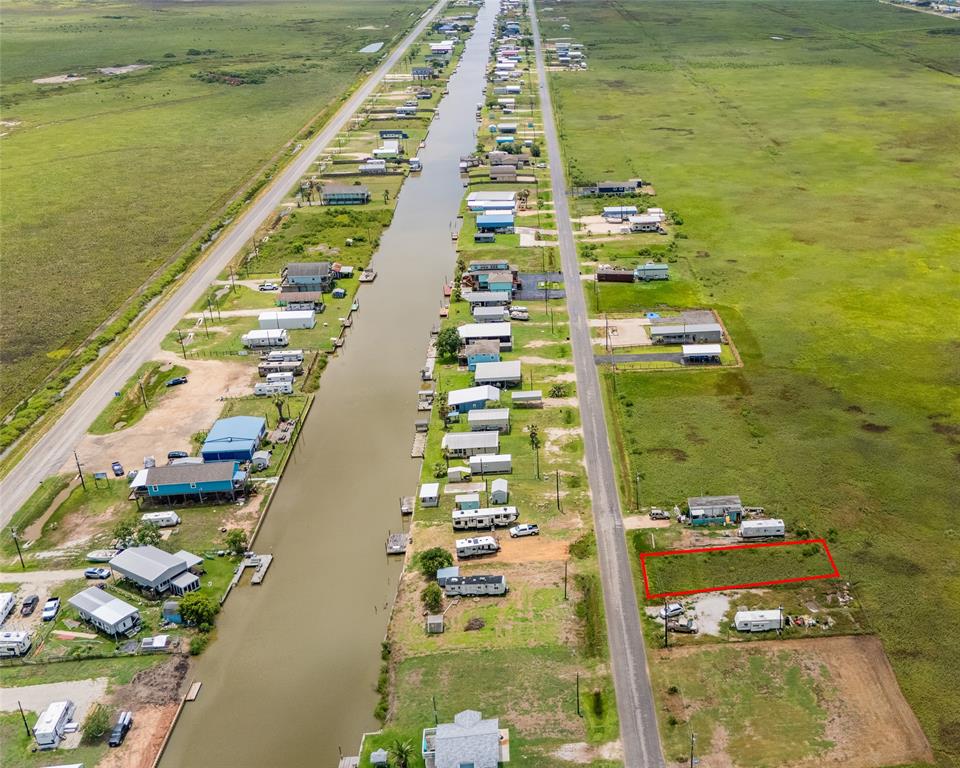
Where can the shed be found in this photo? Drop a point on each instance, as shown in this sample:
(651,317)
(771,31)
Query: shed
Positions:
(458,474)
(260,460)
(434,626)
(490,314)
(467,501)
(704,510)
(499,491)
(700,353)
(234,439)
(687,333)
(430,495)
(291,319)
(498,463)
(445,573)
(379,757)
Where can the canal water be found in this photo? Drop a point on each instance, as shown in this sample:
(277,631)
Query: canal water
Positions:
(291,676)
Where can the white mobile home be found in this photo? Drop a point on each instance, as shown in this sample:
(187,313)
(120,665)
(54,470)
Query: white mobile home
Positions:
(476,547)
(291,320)
(758,621)
(50,725)
(285,356)
(484,419)
(491,464)
(486,517)
(260,339)
(430,495)
(7,601)
(278,388)
(470,443)
(455,586)
(278,377)
(166,519)
(753,529)
(502,374)
(14,643)
(651,271)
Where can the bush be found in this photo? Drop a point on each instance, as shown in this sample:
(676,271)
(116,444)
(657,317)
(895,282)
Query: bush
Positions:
(96,724)
(198,609)
(198,644)
(237,541)
(432,560)
(558,390)
(432,597)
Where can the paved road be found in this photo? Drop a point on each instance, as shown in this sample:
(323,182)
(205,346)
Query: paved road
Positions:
(638,722)
(49,454)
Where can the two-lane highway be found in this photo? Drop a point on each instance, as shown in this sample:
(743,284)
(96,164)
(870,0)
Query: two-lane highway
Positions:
(628,661)
(48,455)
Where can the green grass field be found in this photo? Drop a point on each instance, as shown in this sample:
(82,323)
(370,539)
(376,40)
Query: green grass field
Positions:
(105,178)
(816,176)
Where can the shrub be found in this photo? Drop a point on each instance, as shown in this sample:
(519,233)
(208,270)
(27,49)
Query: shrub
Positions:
(198,609)
(198,644)
(431,560)
(96,724)
(432,597)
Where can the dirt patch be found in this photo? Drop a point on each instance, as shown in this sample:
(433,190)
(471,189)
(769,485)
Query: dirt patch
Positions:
(532,360)
(623,332)
(529,549)
(636,522)
(156,686)
(561,402)
(581,752)
(142,744)
(869,722)
(869,426)
(558,437)
(58,79)
(563,378)
(170,423)
(537,343)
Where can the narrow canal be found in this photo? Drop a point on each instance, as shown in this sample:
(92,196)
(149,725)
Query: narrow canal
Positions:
(291,676)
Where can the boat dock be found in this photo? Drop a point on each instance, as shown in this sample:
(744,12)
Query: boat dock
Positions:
(194,691)
(259,563)
(397,543)
(348,762)
(406,505)
(419,445)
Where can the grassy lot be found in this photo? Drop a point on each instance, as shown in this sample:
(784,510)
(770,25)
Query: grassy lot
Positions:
(147,384)
(67,162)
(16,746)
(804,171)
(38,503)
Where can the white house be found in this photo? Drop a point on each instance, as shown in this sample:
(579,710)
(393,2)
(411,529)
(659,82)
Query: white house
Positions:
(152,568)
(468,741)
(107,613)
(503,374)
(470,443)
(430,495)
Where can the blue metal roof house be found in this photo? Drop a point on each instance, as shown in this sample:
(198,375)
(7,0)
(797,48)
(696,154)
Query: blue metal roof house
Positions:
(234,439)
(495,222)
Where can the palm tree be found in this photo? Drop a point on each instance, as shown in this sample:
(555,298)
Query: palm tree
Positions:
(535,444)
(400,753)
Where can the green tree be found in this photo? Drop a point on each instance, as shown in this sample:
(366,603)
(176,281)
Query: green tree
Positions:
(96,724)
(448,342)
(400,752)
(124,530)
(432,597)
(237,541)
(198,609)
(432,560)
(558,390)
(147,534)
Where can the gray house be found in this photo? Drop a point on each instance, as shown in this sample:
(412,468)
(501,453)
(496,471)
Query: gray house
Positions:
(307,276)
(468,742)
(463,444)
(152,568)
(687,333)
(107,613)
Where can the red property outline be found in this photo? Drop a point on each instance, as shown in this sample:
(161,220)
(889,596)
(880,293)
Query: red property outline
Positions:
(835,574)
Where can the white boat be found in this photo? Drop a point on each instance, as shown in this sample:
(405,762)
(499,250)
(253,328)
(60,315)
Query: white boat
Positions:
(368,276)
(355,306)
(102,555)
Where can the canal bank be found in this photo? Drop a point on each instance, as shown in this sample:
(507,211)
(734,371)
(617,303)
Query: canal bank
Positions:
(292,675)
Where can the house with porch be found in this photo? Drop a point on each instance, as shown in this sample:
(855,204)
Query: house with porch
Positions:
(107,613)
(470,741)
(194,483)
(310,276)
(151,568)
(345,194)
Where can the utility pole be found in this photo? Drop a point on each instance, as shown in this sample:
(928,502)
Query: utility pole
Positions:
(558,491)
(565,564)
(24,718)
(638,491)
(693,741)
(79,470)
(183,350)
(143,394)
(16,541)
(666,631)
(578,695)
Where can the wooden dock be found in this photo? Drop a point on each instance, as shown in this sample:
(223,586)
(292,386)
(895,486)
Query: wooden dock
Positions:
(397,543)
(259,563)
(348,762)
(194,691)
(419,445)
(406,505)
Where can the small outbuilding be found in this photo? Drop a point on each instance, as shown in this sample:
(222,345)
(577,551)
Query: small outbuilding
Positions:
(527,398)
(499,491)
(457,474)
(482,419)
(430,495)
(260,460)
(434,626)
(701,354)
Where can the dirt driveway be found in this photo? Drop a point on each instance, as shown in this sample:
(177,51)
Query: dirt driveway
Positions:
(168,425)
(623,332)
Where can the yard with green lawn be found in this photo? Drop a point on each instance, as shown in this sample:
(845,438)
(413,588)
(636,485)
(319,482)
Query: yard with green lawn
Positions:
(808,147)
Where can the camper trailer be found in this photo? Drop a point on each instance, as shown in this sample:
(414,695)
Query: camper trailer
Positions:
(265,368)
(284,356)
(477,547)
(474,586)
(278,388)
(280,377)
(758,621)
(490,464)
(756,529)
(260,339)
(7,601)
(14,644)
(50,725)
(485,517)
(161,519)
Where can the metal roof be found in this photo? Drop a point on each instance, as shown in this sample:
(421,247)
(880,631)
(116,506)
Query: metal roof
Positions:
(473,394)
(492,195)
(477,297)
(179,474)
(698,502)
(462,440)
(147,562)
(236,432)
(488,414)
(701,350)
(102,605)
(307,268)
(506,369)
(429,490)
(484,330)
(669,330)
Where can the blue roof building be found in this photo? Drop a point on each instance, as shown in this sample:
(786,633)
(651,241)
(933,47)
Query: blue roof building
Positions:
(234,439)
(494,222)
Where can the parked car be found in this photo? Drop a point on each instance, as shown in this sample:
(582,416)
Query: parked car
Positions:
(526,529)
(50,609)
(119,732)
(684,626)
(268,287)
(117,468)
(658,514)
(96,573)
(29,605)
(177,381)
(177,455)
(670,610)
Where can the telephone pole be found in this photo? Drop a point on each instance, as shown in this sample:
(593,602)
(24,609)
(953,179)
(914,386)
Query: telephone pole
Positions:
(16,542)
(79,470)
(143,394)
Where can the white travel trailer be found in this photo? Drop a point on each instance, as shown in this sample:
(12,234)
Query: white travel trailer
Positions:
(285,355)
(260,339)
(14,643)
(50,725)
(278,388)
(296,319)
(477,547)
(755,529)
(456,586)
(489,464)
(161,519)
(758,621)
(278,377)
(7,601)
(485,517)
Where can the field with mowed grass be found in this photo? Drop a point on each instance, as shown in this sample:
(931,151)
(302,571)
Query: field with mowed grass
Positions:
(812,152)
(106,177)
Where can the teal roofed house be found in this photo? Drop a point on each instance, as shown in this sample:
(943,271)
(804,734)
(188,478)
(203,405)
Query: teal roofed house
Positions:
(234,439)
(345,194)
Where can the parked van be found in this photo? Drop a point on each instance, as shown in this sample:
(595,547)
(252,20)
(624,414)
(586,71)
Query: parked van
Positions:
(477,547)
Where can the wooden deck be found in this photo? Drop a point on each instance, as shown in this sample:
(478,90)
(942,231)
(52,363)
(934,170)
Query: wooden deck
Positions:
(397,543)
(419,445)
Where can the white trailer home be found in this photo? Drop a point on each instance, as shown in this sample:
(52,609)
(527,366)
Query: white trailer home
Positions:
(266,367)
(477,547)
(755,529)
(758,621)
(50,725)
(279,388)
(14,644)
(259,339)
(166,519)
(485,419)
(470,443)
(297,319)
(278,377)
(485,517)
(285,356)
(7,601)
(491,464)
(475,586)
